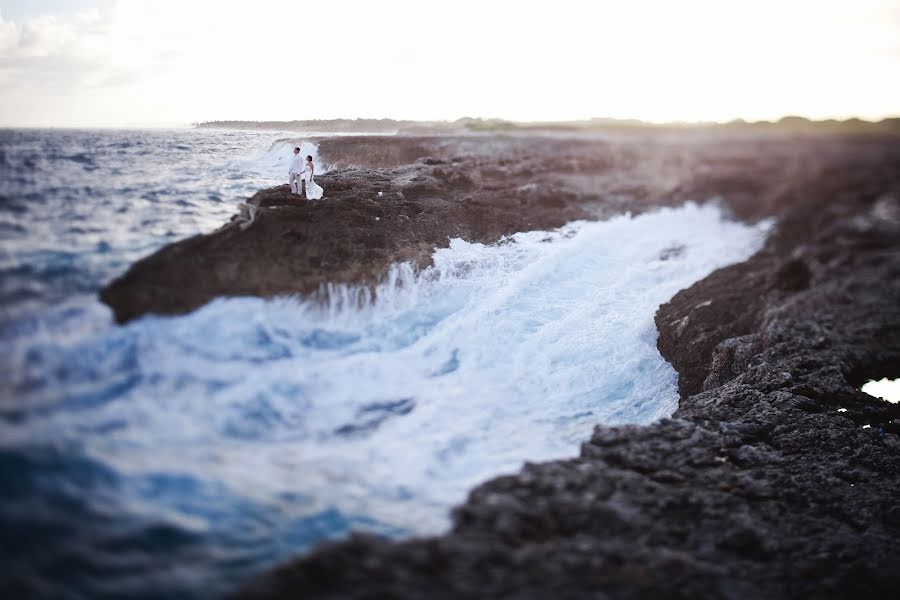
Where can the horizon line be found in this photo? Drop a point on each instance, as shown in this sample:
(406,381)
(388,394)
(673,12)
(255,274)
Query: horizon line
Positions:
(787,118)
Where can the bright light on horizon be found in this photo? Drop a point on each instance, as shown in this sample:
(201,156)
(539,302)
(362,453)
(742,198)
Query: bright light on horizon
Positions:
(138,62)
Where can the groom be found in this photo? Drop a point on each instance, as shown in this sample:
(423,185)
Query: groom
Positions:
(295,171)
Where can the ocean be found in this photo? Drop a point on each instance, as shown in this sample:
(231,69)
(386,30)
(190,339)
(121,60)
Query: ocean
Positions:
(177,456)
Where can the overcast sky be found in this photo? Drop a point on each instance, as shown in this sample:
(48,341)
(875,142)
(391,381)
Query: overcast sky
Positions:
(162,62)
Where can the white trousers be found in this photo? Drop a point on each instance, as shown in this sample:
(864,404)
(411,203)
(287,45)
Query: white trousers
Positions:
(295,179)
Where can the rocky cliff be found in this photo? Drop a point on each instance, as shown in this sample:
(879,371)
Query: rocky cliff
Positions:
(775,478)
(397,198)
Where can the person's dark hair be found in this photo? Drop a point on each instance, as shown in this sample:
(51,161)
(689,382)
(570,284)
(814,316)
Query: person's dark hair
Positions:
(308,157)
(297,149)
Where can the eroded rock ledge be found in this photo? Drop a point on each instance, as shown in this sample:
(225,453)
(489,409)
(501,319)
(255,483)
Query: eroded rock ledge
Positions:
(765,482)
(397,198)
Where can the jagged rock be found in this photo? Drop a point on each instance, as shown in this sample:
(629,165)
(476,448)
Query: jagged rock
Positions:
(397,198)
(763,484)
(757,487)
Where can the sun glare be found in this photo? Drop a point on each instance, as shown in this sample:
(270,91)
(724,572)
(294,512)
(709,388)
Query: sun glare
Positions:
(696,60)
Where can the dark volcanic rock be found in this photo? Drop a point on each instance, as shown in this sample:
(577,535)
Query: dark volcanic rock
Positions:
(397,198)
(369,220)
(766,483)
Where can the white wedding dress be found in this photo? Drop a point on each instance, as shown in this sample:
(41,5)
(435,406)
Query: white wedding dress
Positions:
(313,190)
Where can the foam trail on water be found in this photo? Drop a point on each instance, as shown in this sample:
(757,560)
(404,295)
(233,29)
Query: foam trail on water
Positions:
(390,411)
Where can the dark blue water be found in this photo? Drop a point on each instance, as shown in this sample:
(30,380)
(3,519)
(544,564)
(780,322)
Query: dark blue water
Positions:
(77,207)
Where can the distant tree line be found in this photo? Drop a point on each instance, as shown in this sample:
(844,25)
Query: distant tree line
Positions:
(466,124)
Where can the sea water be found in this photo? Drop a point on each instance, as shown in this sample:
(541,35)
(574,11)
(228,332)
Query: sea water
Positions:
(176,456)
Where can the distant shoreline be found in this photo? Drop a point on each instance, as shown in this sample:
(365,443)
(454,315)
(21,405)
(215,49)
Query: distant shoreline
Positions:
(469,125)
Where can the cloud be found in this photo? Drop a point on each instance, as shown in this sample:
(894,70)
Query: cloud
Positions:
(9,35)
(87,69)
(52,54)
(142,61)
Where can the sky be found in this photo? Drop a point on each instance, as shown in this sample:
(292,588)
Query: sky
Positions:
(173,62)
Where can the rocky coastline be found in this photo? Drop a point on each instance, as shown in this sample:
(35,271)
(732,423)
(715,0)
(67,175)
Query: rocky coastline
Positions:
(775,478)
(393,199)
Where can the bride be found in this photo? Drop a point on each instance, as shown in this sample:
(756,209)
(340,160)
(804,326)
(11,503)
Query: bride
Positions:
(313,190)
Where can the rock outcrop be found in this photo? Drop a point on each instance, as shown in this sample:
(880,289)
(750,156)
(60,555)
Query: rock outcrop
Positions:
(775,478)
(397,198)
(370,219)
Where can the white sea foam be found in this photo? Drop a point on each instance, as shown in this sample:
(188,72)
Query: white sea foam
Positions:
(392,410)
(273,163)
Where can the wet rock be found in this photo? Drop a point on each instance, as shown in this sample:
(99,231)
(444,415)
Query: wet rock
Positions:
(793,275)
(418,192)
(757,487)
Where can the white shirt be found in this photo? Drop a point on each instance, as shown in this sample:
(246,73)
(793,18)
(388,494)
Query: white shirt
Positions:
(295,164)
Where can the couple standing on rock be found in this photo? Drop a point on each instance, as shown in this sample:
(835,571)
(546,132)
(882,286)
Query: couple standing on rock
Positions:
(301,177)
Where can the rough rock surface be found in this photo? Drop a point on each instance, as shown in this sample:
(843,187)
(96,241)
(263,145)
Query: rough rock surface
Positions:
(396,199)
(766,482)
